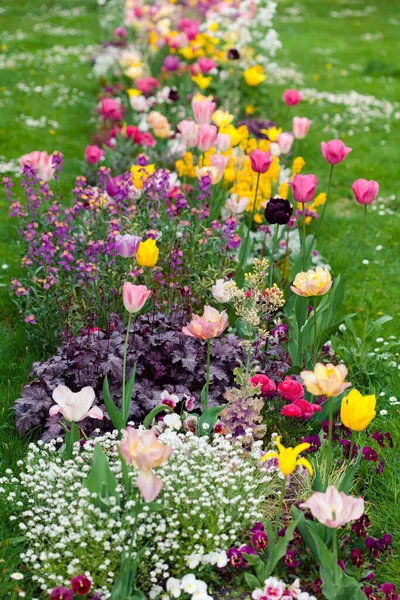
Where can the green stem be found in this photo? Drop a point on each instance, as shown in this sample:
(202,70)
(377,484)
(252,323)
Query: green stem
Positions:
(252,216)
(359,241)
(304,237)
(329,452)
(315,330)
(334,546)
(125,355)
(205,404)
(320,219)
(274,244)
(278,514)
(351,448)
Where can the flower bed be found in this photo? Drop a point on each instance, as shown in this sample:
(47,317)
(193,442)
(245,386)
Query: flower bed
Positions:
(201,439)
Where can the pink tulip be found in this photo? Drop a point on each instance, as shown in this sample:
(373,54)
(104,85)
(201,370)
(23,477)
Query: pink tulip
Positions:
(134,296)
(121,32)
(77,406)
(223,142)
(93,154)
(260,161)
(189,132)
(210,325)
(365,191)
(127,245)
(333,508)
(41,162)
(111,109)
(291,97)
(141,449)
(207,137)
(203,111)
(300,127)
(334,151)
(303,187)
(285,142)
(206,65)
(219,161)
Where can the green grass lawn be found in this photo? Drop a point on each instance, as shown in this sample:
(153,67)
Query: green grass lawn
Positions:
(46,76)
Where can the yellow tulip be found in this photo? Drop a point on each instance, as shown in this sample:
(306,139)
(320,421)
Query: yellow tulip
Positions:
(253,76)
(288,457)
(357,411)
(326,380)
(147,253)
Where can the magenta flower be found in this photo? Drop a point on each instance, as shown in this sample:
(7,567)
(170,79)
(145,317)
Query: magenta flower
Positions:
(260,161)
(291,97)
(111,109)
(365,191)
(61,593)
(303,187)
(268,387)
(333,508)
(93,154)
(370,454)
(81,585)
(334,151)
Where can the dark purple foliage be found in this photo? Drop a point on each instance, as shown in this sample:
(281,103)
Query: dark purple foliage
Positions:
(166,360)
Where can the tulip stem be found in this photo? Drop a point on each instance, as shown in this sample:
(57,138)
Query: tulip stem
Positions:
(128,329)
(351,448)
(315,330)
(304,237)
(280,505)
(359,241)
(205,402)
(334,546)
(319,220)
(253,210)
(329,449)
(274,244)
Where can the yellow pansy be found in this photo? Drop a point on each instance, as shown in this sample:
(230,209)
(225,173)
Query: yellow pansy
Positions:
(357,411)
(288,457)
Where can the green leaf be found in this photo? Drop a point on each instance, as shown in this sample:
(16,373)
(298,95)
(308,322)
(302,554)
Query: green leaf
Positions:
(101,480)
(347,481)
(209,417)
(72,436)
(112,410)
(153,413)
(301,310)
(252,581)
(126,401)
(245,247)
(280,548)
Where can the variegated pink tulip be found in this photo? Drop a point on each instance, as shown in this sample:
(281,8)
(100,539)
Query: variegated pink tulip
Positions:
(333,508)
(210,325)
(134,297)
(41,162)
(142,449)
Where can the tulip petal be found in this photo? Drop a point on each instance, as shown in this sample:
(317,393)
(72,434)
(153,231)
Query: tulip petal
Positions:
(149,485)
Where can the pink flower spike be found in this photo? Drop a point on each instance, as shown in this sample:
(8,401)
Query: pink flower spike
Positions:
(334,151)
(365,191)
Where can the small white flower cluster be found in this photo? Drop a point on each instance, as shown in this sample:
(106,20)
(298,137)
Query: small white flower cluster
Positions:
(188,585)
(211,491)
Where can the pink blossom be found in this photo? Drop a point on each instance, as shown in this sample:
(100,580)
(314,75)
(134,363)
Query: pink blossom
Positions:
(189,132)
(206,64)
(290,389)
(219,161)
(134,296)
(211,324)
(75,406)
(41,162)
(365,191)
(300,127)
(334,151)
(111,109)
(93,154)
(223,142)
(141,449)
(285,142)
(333,508)
(268,387)
(147,85)
(203,111)
(260,161)
(303,187)
(291,97)
(207,137)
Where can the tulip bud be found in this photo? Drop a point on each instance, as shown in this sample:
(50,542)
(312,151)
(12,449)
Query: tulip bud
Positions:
(147,254)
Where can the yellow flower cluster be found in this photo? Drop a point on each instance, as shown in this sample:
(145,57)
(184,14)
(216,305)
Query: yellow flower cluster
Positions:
(186,166)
